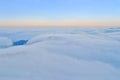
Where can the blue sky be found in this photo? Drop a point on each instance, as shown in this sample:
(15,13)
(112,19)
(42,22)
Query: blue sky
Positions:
(60,9)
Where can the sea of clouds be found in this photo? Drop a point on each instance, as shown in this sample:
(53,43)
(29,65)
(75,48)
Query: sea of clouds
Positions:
(60,53)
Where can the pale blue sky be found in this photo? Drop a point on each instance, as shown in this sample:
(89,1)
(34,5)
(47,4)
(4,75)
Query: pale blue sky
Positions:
(55,9)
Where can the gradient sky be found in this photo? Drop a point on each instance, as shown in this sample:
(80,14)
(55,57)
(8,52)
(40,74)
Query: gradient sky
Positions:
(60,12)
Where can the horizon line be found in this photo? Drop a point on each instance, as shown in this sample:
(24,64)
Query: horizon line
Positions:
(57,24)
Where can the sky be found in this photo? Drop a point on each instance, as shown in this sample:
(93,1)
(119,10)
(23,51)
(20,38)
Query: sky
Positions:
(59,12)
